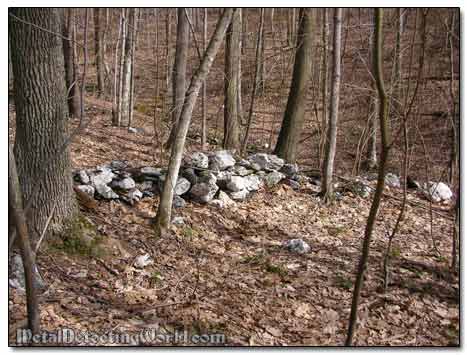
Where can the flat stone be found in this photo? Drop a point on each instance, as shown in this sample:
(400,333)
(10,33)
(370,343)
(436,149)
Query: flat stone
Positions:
(239,195)
(151,171)
(267,162)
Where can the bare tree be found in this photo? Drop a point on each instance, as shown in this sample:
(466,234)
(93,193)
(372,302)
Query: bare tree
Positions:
(99,33)
(232,84)
(203,97)
(254,87)
(70,59)
(385,144)
(165,205)
(179,72)
(330,149)
(292,123)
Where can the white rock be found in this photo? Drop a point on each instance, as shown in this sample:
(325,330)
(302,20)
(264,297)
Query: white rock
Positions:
(124,184)
(106,192)
(297,246)
(83,177)
(437,192)
(253,182)
(88,189)
(197,160)
(134,195)
(236,183)
(182,186)
(221,160)
(143,261)
(101,176)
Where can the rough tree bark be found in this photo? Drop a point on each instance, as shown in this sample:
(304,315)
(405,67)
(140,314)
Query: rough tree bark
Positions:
(99,50)
(41,117)
(128,69)
(254,89)
(330,148)
(69,59)
(165,206)
(292,123)
(203,97)
(385,144)
(232,84)
(179,72)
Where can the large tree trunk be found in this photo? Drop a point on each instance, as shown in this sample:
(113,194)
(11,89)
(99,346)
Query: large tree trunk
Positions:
(99,50)
(165,205)
(292,123)
(41,117)
(330,149)
(385,144)
(232,84)
(70,59)
(179,72)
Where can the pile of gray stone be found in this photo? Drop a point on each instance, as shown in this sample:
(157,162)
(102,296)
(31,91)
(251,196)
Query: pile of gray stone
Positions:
(216,178)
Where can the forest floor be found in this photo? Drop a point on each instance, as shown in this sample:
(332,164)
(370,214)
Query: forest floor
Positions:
(226,271)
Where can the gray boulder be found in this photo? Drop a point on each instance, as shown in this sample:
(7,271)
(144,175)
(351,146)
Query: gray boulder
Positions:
(203,192)
(134,195)
(221,160)
(197,160)
(17,272)
(178,202)
(182,186)
(267,162)
(273,178)
(178,221)
(253,182)
(207,176)
(290,169)
(241,170)
(106,192)
(298,246)
(236,183)
(223,200)
(125,184)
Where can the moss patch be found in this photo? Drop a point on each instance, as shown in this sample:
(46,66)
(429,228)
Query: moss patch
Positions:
(80,237)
